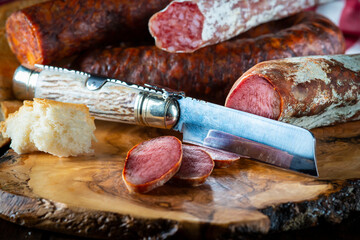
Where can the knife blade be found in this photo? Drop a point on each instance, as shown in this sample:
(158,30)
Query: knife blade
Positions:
(202,123)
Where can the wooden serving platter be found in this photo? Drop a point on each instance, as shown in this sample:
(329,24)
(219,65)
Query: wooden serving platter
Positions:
(86,196)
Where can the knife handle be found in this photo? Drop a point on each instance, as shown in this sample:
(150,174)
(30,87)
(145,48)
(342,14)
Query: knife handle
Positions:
(107,99)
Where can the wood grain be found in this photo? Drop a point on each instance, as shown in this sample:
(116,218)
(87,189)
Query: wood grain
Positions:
(86,196)
(338,148)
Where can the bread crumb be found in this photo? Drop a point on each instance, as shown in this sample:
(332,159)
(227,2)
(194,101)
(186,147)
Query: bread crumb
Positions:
(61,129)
(7,107)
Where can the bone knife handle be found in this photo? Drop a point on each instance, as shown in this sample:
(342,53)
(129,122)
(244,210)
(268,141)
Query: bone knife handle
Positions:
(107,99)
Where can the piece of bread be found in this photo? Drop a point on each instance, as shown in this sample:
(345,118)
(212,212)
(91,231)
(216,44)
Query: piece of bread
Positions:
(7,107)
(61,129)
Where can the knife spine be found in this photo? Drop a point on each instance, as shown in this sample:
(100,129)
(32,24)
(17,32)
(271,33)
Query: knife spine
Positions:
(60,69)
(146,88)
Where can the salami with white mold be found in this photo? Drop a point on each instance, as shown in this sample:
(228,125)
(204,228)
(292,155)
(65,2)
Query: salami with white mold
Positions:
(308,92)
(187,25)
(152,163)
(196,166)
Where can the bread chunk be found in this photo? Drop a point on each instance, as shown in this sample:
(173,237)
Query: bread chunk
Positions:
(61,129)
(7,107)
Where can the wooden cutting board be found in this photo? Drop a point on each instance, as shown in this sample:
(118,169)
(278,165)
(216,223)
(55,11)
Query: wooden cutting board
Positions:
(86,195)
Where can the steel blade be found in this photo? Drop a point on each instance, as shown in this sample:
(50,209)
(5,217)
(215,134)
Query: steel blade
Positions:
(266,140)
(261,152)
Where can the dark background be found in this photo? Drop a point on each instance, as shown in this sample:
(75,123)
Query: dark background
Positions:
(349,229)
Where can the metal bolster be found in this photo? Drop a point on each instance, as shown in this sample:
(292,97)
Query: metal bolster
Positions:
(154,106)
(24,82)
(153,110)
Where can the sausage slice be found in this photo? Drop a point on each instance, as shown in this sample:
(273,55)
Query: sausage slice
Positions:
(222,159)
(152,163)
(196,166)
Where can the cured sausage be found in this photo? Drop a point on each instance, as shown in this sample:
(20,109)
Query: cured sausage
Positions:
(52,30)
(185,26)
(196,166)
(305,91)
(210,72)
(222,159)
(152,163)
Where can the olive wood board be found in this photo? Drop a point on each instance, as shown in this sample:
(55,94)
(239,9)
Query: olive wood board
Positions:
(86,195)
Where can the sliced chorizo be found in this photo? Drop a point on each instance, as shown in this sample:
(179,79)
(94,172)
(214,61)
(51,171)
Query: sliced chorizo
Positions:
(222,159)
(196,166)
(152,163)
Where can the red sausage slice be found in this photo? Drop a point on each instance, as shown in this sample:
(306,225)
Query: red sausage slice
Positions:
(222,159)
(152,163)
(196,166)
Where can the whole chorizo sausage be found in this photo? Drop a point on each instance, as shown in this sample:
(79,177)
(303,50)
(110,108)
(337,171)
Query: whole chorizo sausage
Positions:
(210,72)
(308,92)
(185,26)
(52,30)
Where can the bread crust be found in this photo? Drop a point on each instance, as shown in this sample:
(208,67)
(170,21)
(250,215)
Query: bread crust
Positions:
(6,108)
(61,129)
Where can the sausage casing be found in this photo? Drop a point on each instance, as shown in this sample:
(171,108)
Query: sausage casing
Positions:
(210,72)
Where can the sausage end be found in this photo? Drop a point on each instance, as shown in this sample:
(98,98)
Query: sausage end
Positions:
(255,94)
(178,28)
(22,39)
